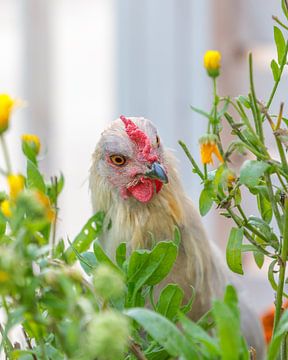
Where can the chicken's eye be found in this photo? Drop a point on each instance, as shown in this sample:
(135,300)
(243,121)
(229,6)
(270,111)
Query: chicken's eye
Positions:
(157,140)
(118,160)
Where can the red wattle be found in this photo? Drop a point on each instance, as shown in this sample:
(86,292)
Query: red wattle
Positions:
(143,191)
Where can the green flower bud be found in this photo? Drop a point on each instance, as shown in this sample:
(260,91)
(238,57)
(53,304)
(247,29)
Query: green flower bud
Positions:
(107,336)
(108,282)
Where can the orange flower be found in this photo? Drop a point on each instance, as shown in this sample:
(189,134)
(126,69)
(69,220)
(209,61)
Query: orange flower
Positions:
(268,320)
(208,147)
(45,202)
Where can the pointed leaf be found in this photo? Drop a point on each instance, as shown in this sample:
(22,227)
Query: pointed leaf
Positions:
(233,250)
(275,70)
(170,300)
(280,43)
(251,171)
(164,332)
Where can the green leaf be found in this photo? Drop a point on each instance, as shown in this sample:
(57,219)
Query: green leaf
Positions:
(185,309)
(150,267)
(233,250)
(280,43)
(101,256)
(259,258)
(34,177)
(29,152)
(251,171)
(177,236)
(280,332)
(88,262)
(164,332)
(265,208)
(121,254)
(244,100)
(199,111)
(275,70)
(91,230)
(227,318)
(59,249)
(196,335)
(271,274)
(170,300)
(284,8)
(206,199)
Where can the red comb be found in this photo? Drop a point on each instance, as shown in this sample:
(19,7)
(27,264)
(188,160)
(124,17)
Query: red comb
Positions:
(139,138)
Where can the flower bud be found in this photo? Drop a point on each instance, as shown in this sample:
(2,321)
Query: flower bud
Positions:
(32,141)
(212,61)
(6,208)
(108,283)
(6,106)
(16,185)
(107,336)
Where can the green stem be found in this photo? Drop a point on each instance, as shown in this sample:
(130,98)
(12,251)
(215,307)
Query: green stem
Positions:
(6,154)
(283,257)
(283,63)
(193,162)
(215,106)
(282,154)
(280,22)
(258,121)
(54,182)
(273,202)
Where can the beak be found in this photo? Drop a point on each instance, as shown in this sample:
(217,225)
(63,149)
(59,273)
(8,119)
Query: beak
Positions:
(157,172)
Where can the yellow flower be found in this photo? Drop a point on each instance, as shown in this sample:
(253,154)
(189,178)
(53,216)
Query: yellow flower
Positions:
(33,141)
(4,276)
(16,184)
(6,208)
(208,147)
(6,106)
(212,59)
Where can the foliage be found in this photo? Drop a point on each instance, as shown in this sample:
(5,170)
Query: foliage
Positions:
(265,178)
(107,308)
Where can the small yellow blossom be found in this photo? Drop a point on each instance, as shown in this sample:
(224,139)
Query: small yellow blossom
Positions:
(6,208)
(6,106)
(45,202)
(33,141)
(208,147)
(212,62)
(4,276)
(16,184)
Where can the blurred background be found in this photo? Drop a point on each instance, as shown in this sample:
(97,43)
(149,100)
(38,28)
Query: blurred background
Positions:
(79,65)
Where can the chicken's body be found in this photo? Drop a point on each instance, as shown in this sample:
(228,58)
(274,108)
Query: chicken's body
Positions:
(136,216)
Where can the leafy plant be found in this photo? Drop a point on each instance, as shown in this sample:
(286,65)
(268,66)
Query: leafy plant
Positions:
(264,177)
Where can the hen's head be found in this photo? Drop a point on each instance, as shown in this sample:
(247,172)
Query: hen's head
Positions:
(129,156)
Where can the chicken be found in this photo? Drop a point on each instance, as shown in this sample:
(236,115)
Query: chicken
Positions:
(133,179)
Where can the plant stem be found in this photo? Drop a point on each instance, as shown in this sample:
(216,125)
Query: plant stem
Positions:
(6,154)
(214,106)
(283,257)
(54,182)
(279,22)
(273,202)
(193,162)
(136,350)
(283,63)
(258,121)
